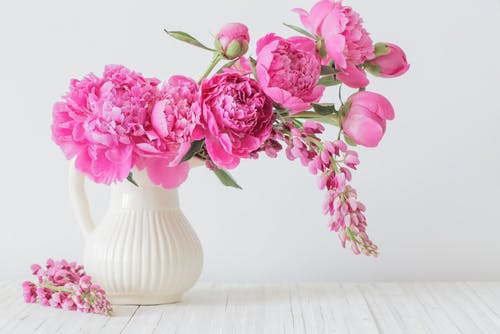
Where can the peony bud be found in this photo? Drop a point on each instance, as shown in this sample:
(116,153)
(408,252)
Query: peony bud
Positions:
(365,120)
(232,40)
(390,61)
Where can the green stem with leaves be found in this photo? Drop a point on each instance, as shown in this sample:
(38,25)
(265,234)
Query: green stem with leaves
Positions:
(217,58)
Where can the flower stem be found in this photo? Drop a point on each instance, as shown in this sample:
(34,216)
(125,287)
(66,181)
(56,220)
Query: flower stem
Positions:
(215,61)
(54,287)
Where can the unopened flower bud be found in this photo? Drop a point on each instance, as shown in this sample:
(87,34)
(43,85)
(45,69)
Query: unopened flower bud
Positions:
(390,61)
(232,40)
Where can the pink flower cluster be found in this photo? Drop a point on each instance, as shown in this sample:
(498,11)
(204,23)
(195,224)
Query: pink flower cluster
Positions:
(333,162)
(124,120)
(66,286)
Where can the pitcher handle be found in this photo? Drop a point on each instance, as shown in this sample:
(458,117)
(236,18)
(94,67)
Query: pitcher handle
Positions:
(79,200)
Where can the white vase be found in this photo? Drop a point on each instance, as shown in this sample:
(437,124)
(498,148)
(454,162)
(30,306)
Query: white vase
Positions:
(144,251)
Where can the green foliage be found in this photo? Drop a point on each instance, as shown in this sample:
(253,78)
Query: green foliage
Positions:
(187,38)
(299,30)
(196,147)
(226,178)
(130,178)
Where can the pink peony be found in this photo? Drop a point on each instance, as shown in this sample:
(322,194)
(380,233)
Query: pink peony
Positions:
(346,41)
(390,63)
(288,70)
(232,40)
(365,121)
(236,118)
(99,117)
(168,132)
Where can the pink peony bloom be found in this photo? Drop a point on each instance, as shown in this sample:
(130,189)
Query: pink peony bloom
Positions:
(346,40)
(390,64)
(365,121)
(232,40)
(168,132)
(99,117)
(236,117)
(288,70)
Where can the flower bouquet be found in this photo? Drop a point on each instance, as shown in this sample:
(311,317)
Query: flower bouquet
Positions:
(240,108)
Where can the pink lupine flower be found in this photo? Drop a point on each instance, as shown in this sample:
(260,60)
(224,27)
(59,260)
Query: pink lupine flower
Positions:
(347,42)
(65,285)
(97,119)
(232,40)
(288,70)
(29,292)
(168,132)
(236,118)
(365,121)
(332,161)
(390,63)
(351,159)
(350,223)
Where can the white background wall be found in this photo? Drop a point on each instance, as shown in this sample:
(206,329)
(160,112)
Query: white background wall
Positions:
(431,188)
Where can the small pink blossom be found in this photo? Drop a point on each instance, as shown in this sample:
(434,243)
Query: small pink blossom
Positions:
(29,292)
(232,40)
(288,70)
(236,118)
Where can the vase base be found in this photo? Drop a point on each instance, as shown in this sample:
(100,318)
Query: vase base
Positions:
(142,299)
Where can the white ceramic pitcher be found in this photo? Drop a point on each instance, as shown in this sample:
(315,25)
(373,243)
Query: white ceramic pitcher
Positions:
(144,251)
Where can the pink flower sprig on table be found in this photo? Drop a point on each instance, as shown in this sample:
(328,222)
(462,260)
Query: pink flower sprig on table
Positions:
(65,285)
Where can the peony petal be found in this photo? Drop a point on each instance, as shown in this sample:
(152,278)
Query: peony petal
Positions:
(353,77)
(335,45)
(221,158)
(158,119)
(167,177)
(364,127)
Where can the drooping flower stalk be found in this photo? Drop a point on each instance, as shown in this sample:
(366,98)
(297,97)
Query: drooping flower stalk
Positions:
(333,162)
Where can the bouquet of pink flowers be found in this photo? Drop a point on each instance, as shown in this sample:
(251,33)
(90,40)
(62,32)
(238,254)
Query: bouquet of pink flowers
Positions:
(266,103)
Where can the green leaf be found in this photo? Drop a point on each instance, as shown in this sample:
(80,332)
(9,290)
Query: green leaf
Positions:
(349,140)
(327,119)
(253,65)
(344,109)
(326,70)
(324,108)
(187,38)
(226,178)
(381,49)
(328,81)
(372,68)
(195,148)
(130,178)
(322,48)
(227,65)
(300,30)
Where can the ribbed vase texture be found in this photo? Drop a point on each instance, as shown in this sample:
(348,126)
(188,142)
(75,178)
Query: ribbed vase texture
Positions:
(144,251)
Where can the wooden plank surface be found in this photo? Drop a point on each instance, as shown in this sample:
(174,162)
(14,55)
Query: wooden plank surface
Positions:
(313,308)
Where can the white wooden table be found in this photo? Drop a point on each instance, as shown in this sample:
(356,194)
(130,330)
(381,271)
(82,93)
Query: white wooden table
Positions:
(453,307)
